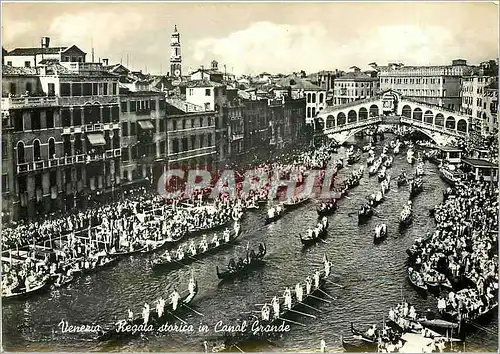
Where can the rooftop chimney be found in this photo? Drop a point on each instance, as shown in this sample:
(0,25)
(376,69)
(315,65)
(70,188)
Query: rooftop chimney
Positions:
(45,42)
(105,62)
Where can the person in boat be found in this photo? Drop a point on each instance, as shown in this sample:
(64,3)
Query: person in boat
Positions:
(261,249)
(130,315)
(191,286)
(145,313)
(412,314)
(328,267)
(216,241)
(227,235)
(174,299)
(192,248)
(265,312)
(276,307)
(324,221)
(372,331)
(237,228)
(287,294)
(299,292)
(252,255)
(270,213)
(317,276)
(232,265)
(180,253)
(204,243)
(160,306)
(308,285)
(240,264)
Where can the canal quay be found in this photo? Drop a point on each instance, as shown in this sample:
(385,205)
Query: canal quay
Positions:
(367,279)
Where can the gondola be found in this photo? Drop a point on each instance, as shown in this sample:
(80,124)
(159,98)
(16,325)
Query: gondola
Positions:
(416,280)
(370,160)
(402,180)
(405,218)
(362,335)
(380,233)
(381,176)
(255,263)
(415,187)
(388,162)
(21,293)
(128,253)
(169,314)
(66,280)
(212,227)
(276,216)
(164,264)
(155,246)
(311,241)
(356,344)
(364,214)
(327,208)
(353,158)
(292,204)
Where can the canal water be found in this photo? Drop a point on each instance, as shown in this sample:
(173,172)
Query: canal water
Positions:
(374,277)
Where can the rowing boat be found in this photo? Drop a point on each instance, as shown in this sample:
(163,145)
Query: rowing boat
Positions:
(292,204)
(21,293)
(255,263)
(311,241)
(165,264)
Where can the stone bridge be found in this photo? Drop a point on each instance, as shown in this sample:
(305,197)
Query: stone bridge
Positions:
(440,124)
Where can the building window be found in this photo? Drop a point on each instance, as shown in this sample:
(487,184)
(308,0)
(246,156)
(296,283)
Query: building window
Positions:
(105,89)
(192,123)
(183,124)
(27,64)
(207,106)
(9,63)
(162,125)
(132,128)
(36,150)
(152,104)
(209,138)
(77,88)
(207,92)
(35,120)
(52,148)
(184,144)
(133,106)
(12,88)
(125,154)
(201,121)
(87,89)
(20,152)
(174,124)
(193,142)
(209,121)
(124,128)
(64,89)
(114,89)
(49,118)
(123,106)
(175,146)
(191,92)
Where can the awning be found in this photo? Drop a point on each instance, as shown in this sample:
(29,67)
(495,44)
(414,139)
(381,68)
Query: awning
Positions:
(96,139)
(145,124)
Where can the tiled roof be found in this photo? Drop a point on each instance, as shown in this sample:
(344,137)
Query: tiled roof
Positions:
(183,105)
(298,83)
(49,61)
(21,71)
(203,83)
(33,51)
(357,76)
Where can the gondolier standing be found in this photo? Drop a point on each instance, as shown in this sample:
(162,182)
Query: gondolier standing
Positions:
(316,278)
(174,297)
(145,313)
(328,266)
(192,286)
(160,307)
(276,307)
(265,312)
(308,285)
(299,292)
(288,298)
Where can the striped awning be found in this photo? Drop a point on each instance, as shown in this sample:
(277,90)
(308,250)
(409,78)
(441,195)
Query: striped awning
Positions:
(145,124)
(96,139)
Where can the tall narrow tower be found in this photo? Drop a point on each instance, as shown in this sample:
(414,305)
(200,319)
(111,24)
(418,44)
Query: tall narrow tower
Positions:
(175,54)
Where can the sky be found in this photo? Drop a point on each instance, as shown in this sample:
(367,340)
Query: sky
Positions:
(250,38)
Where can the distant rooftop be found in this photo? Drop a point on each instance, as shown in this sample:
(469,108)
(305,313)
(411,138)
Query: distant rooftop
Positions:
(183,105)
(203,83)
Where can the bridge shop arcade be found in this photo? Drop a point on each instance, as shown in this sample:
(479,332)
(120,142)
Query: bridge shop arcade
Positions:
(477,169)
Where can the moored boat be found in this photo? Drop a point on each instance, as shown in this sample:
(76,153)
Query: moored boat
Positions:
(327,208)
(20,292)
(274,213)
(450,174)
(416,187)
(295,202)
(316,234)
(380,233)
(364,213)
(416,279)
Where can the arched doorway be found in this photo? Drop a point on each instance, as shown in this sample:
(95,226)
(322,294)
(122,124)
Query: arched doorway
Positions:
(462,126)
(450,123)
(363,113)
(330,121)
(20,152)
(36,150)
(341,119)
(374,110)
(417,114)
(406,112)
(439,120)
(428,117)
(352,117)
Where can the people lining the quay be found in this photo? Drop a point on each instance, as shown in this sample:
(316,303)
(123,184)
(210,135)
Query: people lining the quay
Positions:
(464,249)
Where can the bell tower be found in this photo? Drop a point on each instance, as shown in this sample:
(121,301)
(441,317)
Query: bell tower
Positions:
(175,54)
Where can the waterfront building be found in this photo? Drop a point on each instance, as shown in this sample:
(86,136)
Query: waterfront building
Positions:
(212,74)
(232,112)
(190,131)
(438,85)
(480,97)
(62,136)
(355,85)
(33,57)
(255,123)
(300,88)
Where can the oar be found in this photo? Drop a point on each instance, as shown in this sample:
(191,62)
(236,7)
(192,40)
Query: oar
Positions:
(312,308)
(180,319)
(287,320)
(302,313)
(328,295)
(318,298)
(324,241)
(189,308)
(238,348)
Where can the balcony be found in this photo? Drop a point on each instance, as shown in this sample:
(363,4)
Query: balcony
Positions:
(31,102)
(78,67)
(109,154)
(80,158)
(39,165)
(191,154)
(95,157)
(55,162)
(235,137)
(24,167)
(118,152)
